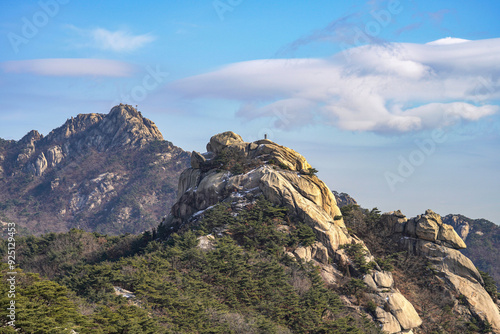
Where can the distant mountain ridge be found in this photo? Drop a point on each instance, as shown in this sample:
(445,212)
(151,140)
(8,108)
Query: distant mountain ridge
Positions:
(113,173)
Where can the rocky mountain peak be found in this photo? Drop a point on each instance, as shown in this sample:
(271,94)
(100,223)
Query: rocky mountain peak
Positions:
(122,126)
(230,146)
(237,172)
(76,125)
(220,141)
(30,138)
(83,173)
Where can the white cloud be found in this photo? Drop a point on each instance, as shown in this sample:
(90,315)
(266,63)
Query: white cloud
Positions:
(448,41)
(119,40)
(382,88)
(69,67)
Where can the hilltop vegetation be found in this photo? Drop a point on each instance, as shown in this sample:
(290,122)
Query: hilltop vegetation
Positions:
(242,283)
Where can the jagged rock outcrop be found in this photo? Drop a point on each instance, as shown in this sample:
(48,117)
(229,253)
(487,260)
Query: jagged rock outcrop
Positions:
(276,172)
(426,235)
(54,156)
(122,126)
(428,226)
(236,172)
(483,242)
(26,146)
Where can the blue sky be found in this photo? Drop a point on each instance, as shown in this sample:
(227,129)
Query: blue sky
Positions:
(394,102)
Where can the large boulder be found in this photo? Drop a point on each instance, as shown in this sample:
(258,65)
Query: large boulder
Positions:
(426,228)
(389,323)
(222,140)
(383,279)
(403,311)
(448,235)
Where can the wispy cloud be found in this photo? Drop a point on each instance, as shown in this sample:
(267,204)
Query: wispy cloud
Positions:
(425,18)
(380,88)
(339,30)
(409,27)
(69,67)
(116,41)
(119,40)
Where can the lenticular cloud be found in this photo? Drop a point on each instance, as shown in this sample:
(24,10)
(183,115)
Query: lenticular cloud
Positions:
(72,67)
(394,87)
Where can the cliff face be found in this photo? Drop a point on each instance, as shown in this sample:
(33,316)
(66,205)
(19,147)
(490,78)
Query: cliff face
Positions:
(88,173)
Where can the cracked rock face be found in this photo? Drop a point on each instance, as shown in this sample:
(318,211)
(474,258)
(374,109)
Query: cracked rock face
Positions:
(94,192)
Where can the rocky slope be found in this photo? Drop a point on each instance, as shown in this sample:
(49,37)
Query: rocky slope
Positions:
(428,236)
(482,236)
(113,173)
(483,242)
(238,173)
